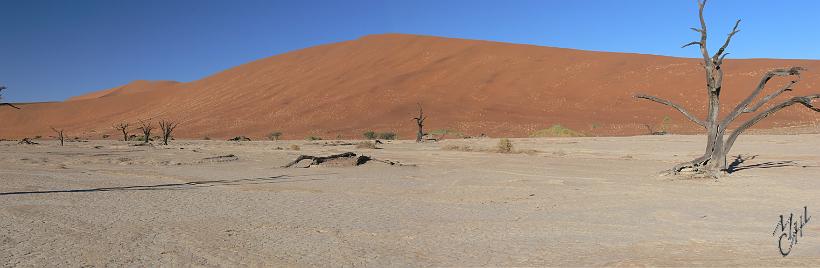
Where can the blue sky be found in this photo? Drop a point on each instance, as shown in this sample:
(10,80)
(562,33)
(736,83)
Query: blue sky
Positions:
(51,50)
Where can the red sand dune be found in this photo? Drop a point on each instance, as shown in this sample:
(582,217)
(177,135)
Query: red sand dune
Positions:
(374,83)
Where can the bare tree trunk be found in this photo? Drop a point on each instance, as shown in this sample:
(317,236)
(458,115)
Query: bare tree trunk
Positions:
(123,127)
(420,122)
(60,135)
(713,161)
(146,130)
(167,128)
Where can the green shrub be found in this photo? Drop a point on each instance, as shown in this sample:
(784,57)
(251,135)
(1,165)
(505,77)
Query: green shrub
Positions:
(556,131)
(313,138)
(457,147)
(274,136)
(505,146)
(370,135)
(387,135)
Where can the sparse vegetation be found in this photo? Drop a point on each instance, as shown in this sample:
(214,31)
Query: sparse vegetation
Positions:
(206,138)
(274,136)
(370,135)
(457,147)
(387,136)
(366,145)
(443,133)
(556,131)
(505,146)
(313,138)
(240,138)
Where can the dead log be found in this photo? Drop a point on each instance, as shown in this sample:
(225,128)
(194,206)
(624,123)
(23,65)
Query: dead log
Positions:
(27,141)
(315,160)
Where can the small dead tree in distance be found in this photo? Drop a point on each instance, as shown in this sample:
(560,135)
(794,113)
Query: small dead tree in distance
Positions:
(713,161)
(420,122)
(60,135)
(123,127)
(146,130)
(167,128)
(2,87)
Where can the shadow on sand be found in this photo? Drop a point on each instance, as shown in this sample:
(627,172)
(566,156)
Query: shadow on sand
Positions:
(173,186)
(737,164)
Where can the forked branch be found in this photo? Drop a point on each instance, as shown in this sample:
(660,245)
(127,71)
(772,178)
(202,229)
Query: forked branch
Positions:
(673,105)
(805,101)
(718,57)
(741,107)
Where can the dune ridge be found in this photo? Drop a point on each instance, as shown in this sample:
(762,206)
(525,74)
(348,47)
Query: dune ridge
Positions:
(374,82)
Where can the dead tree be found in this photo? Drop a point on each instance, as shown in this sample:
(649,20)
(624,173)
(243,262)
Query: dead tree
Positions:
(167,128)
(59,135)
(713,161)
(420,122)
(123,127)
(146,130)
(1,98)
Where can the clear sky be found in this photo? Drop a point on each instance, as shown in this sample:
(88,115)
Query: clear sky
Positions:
(51,50)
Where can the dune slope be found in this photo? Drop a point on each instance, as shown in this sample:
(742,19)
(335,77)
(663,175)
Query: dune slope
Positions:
(375,82)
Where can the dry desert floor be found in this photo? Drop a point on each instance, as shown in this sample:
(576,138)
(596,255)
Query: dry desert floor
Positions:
(572,202)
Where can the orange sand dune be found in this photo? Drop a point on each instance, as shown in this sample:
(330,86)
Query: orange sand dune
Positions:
(374,83)
(130,88)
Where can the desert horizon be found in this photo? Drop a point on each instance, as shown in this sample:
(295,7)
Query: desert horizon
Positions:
(286,134)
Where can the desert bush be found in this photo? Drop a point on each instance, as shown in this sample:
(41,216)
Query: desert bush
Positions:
(505,146)
(446,132)
(366,145)
(387,135)
(370,135)
(313,138)
(206,138)
(240,138)
(457,147)
(556,131)
(274,136)
(294,147)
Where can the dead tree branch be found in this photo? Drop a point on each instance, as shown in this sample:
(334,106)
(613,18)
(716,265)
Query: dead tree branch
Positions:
(167,128)
(60,135)
(680,109)
(713,161)
(1,98)
(320,159)
(146,130)
(123,128)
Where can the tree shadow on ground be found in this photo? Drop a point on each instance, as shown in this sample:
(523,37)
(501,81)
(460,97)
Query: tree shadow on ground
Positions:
(174,186)
(737,164)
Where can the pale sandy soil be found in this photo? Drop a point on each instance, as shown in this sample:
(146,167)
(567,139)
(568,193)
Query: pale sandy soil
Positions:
(577,202)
